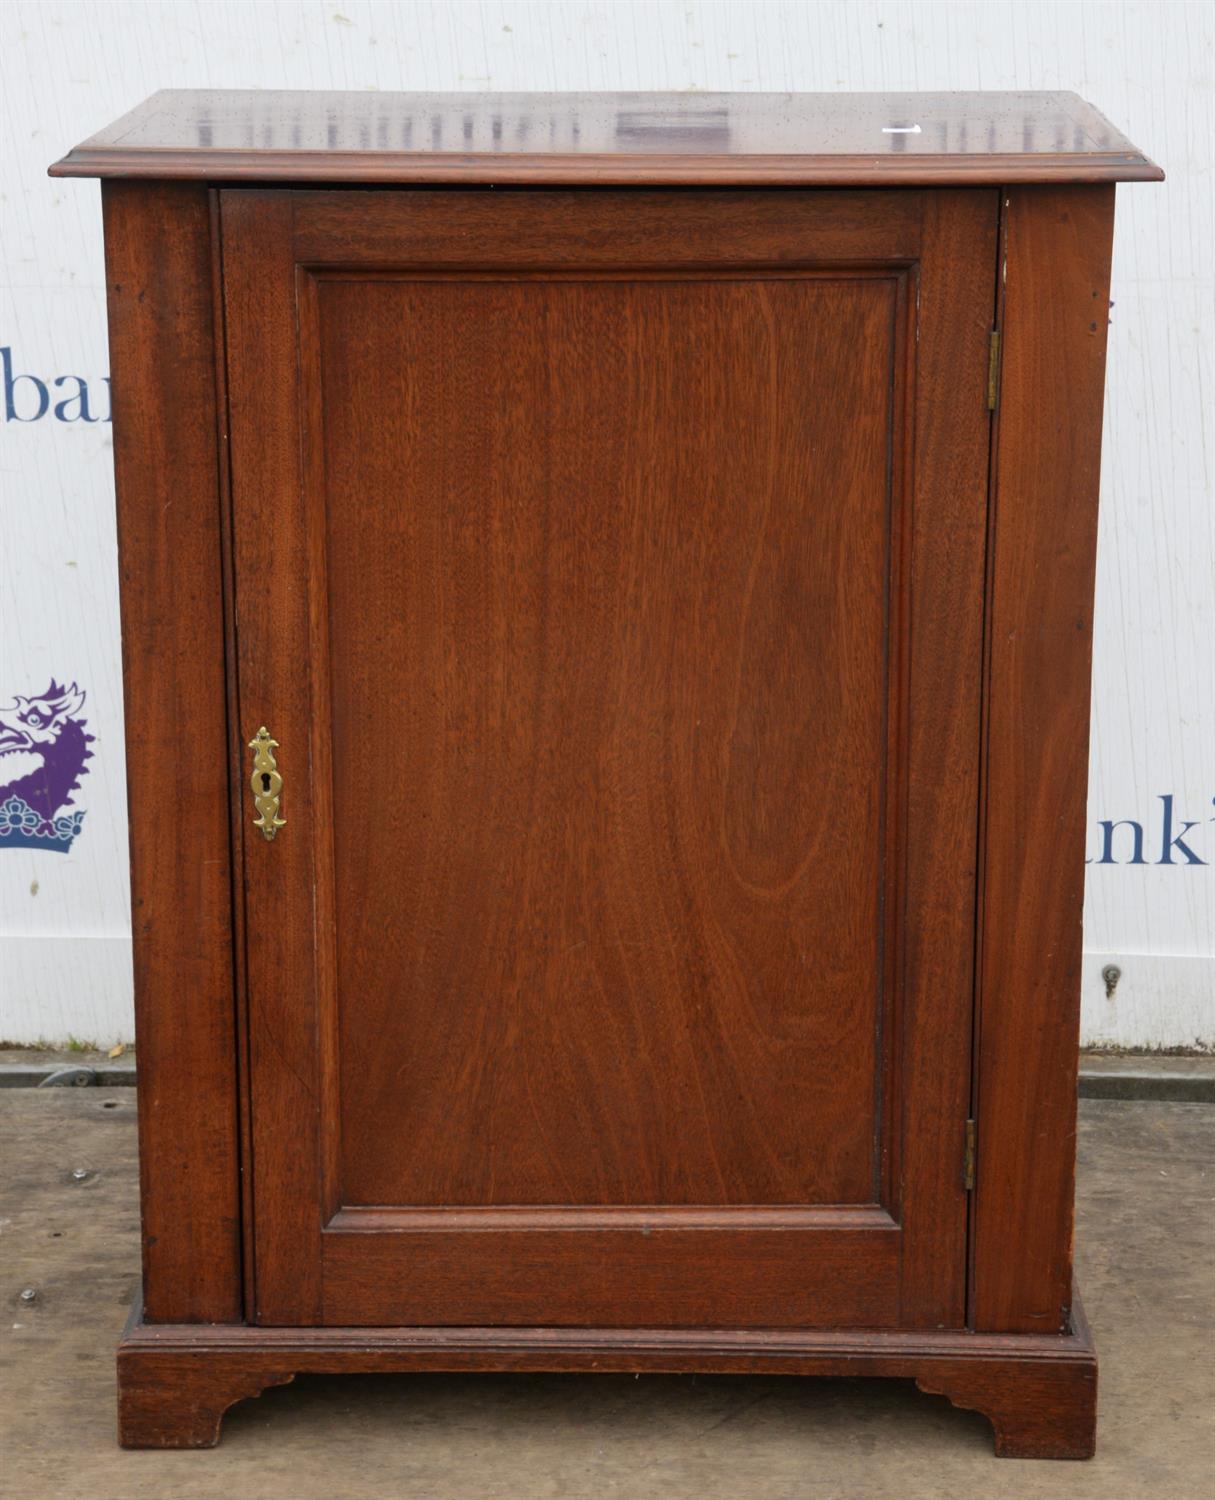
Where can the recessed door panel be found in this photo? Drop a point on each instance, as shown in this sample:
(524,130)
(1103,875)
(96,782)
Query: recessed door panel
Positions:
(607,593)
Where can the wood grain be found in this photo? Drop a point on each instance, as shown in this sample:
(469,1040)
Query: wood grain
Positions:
(1038,1391)
(166,464)
(1056,258)
(617,593)
(676,731)
(608,917)
(270,564)
(564,229)
(621,800)
(827,139)
(926,1086)
(737,1273)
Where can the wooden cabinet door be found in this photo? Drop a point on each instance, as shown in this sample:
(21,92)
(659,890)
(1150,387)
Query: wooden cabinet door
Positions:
(608,566)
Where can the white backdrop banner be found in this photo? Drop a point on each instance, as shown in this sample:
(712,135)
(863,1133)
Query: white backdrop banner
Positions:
(68,69)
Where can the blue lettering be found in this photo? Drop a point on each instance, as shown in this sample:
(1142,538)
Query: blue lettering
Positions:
(81,399)
(10,388)
(1107,841)
(1170,841)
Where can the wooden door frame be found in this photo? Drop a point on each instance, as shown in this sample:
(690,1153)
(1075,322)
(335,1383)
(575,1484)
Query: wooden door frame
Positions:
(162,255)
(275,244)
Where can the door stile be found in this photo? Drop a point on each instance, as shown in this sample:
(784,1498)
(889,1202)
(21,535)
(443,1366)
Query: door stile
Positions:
(947,568)
(898,606)
(270,559)
(312,487)
(236,781)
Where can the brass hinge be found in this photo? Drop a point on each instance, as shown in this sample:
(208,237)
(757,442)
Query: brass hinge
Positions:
(993,370)
(968,1157)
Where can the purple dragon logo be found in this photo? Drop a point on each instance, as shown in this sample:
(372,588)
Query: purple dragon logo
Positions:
(43,750)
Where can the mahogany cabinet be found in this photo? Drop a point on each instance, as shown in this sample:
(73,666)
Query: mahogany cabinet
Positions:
(607,587)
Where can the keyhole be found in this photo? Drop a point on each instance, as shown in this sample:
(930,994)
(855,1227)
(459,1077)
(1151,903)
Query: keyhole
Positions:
(265,781)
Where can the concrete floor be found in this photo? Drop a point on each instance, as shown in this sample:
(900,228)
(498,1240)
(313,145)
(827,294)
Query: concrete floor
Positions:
(1147,1269)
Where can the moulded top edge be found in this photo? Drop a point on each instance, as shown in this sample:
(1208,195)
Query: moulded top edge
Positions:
(612,139)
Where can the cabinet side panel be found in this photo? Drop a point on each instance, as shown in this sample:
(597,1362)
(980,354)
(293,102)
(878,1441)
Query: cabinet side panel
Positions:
(158,271)
(1056,259)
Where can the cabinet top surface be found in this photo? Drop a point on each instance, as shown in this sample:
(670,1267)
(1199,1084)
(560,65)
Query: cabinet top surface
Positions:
(675,138)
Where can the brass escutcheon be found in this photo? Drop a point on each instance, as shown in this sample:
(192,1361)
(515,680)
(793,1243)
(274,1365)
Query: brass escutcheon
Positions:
(266,783)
